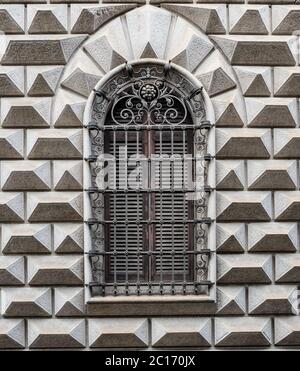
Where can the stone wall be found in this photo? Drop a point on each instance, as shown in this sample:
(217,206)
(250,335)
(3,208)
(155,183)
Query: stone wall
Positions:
(246,55)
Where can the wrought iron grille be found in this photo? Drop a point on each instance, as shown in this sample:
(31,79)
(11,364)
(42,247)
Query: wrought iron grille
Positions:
(150,224)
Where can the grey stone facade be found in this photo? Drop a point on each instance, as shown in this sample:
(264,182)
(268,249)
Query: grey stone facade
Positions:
(246,56)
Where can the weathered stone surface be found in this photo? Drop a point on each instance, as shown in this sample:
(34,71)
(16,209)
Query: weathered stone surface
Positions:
(286,143)
(229,110)
(54,144)
(56,333)
(43,81)
(272,174)
(12,19)
(272,300)
(255,81)
(244,206)
(11,207)
(261,51)
(230,175)
(12,82)
(55,270)
(81,82)
(50,19)
(243,143)
(68,238)
(216,82)
(88,19)
(11,144)
(68,175)
(287,269)
(210,18)
(272,237)
(243,269)
(183,332)
(12,334)
(38,51)
(69,302)
(287,82)
(231,300)
(231,238)
(287,331)
(26,239)
(243,332)
(285,19)
(118,333)
(249,20)
(26,302)
(287,206)
(55,207)
(12,271)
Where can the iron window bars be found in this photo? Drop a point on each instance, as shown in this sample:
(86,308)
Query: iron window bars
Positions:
(150,239)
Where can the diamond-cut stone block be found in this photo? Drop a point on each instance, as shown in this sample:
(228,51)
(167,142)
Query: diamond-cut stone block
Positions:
(255,81)
(12,271)
(258,51)
(12,81)
(243,332)
(243,143)
(118,333)
(231,300)
(287,331)
(11,144)
(287,143)
(287,206)
(285,19)
(54,144)
(12,19)
(25,113)
(25,175)
(67,175)
(42,81)
(55,270)
(88,19)
(271,112)
(81,82)
(11,207)
(230,175)
(181,332)
(68,238)
(231,238)
(272,299)
(241,269)
(49,19)
(229,109)
(209,17)
(244,206)
(69,302)
(287,82)
(68,110)
(216,82)
(55,207)
(56,333)
(38,51)
(272,237)
(249,19)
(26,239)
(26,302)
(12,334)
(287,269)
(272,174)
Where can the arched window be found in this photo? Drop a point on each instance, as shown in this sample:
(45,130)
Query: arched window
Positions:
(149,194)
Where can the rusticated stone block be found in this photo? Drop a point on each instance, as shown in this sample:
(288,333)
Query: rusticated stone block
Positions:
(255,81)
(37,51)
(68,238)
(12,82)
(230,175)
(241,269)
(229,109)
(258,51)
(81,82)
(25,176)
(42,81)
(287,143)
(54,144)
(11,144)
(231,300)
(11,207)
(69,302)
(287,206)
(287,331)
(12,334)
(287,268)
(243,143)
(26,302)
(271,112)
(243,332)
(68,175)
(55,270)
(272,175)
(56,333)
(12,19)
(12,271)
(26,238)
(244,206)
(55,207)
(118,333)
(285,19)
(249,19)
(272,300)
(231,238)
(181,332)
(69,110)
(272,237)
(287,81)
(49,19)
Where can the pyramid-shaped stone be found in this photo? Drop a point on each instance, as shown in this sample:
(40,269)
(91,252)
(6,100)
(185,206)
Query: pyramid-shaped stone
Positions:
(216,82)
(81,82)
(71,116)
(148,52)
(250,22)
(8,23)
(258,87)
(43,82)
(45,21)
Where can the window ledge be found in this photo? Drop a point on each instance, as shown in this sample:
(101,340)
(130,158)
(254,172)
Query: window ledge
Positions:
(151,299)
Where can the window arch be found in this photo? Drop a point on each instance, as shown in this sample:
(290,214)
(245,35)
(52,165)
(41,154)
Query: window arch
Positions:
(149,192)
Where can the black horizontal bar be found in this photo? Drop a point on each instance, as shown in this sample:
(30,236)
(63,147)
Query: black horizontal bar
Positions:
(207,189)
(152,284)
(161,221)
(207,157)
(149,253)
(131,127)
